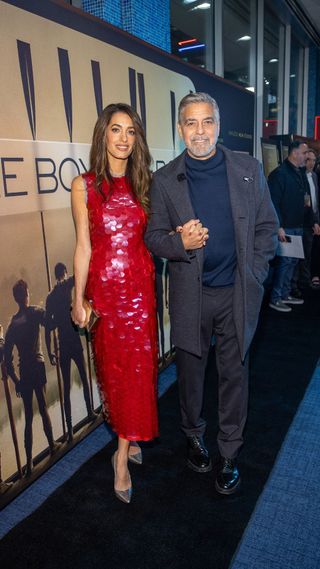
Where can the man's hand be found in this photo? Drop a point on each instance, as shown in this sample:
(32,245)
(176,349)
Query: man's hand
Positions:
(316,229)
(281,234)
(193,234)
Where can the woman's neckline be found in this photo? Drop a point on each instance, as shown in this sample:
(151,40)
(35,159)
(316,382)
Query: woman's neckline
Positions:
(114,175)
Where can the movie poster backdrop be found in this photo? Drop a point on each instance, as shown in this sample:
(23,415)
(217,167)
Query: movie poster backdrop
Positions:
(59,68)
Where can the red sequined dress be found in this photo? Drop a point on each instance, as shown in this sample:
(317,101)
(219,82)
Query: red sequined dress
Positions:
(121,286)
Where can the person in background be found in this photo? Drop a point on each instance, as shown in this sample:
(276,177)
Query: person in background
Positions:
(114,270)
(311,229)
(314,191)
(290,194)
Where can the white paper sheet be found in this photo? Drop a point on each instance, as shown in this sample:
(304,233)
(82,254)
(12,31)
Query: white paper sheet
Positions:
(291,248)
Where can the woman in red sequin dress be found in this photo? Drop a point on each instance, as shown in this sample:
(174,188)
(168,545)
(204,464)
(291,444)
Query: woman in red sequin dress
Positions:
(114,270)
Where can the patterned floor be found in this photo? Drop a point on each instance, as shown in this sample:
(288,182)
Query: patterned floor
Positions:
(283,532)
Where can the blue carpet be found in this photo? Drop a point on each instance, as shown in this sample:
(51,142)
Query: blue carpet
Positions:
(283,532)
(40,490)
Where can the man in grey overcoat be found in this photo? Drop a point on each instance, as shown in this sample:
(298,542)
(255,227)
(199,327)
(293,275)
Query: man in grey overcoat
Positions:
(213,219)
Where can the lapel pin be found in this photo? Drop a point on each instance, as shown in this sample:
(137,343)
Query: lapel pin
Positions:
(247,179)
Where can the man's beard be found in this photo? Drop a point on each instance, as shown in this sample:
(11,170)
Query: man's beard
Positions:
(203,150)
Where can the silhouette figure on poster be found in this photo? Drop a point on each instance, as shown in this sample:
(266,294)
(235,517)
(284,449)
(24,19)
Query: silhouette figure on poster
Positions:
(4,486)
(58,317)
(24,333)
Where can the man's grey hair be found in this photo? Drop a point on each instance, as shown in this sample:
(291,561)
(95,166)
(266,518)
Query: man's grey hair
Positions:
(199,98)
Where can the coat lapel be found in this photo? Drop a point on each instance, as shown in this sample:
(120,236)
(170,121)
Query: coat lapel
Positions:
(179,195)
(178,190)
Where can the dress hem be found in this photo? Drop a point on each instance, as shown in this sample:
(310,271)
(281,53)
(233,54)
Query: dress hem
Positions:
(137,438)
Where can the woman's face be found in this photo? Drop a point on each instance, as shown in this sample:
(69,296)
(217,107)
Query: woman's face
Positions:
(120,137)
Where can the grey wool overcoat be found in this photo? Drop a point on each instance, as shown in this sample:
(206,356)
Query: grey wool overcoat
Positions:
(255,226)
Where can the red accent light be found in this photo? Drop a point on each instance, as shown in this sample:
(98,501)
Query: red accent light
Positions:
(185,42)
(317,127)
(269,127)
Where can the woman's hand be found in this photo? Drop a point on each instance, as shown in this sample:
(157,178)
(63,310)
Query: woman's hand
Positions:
(78,315)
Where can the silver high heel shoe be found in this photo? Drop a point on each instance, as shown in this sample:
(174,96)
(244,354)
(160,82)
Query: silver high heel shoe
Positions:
(137,457)
(123,495)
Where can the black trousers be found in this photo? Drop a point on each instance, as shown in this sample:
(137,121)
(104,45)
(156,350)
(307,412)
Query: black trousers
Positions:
(217,320)
(315,257)
(302,273)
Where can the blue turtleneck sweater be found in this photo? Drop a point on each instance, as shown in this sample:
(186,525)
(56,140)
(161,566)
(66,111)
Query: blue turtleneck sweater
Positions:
(209,193)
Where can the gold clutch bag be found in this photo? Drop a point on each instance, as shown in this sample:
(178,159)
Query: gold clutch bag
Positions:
(91,315)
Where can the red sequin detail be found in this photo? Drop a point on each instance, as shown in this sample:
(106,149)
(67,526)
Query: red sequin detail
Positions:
(121,285)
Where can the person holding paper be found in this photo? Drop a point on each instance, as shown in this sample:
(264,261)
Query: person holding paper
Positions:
(290,193)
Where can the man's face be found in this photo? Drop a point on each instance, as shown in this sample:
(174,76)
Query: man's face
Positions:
(199,130)
(301,155)
(310,162)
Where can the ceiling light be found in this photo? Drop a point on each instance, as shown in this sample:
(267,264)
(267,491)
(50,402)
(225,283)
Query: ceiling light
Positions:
(188,1)
(274,60)
(244,38)
(185,42)
(250,89)
(293,75)
(191,47)
(203,6)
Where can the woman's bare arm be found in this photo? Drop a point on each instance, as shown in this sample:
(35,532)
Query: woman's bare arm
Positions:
(82,252)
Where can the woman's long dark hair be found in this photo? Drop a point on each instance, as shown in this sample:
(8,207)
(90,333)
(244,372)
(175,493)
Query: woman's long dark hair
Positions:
(139,161)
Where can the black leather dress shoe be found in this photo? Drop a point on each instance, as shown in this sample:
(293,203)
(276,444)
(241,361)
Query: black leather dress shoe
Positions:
(198,457)
(228,477)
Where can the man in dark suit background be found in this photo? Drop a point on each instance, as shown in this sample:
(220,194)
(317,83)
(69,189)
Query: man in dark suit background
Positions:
(213,219)
(290,194)
(311,229)
(313,253)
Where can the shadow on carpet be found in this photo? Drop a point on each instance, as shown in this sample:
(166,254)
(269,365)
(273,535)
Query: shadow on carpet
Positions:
(176,519)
